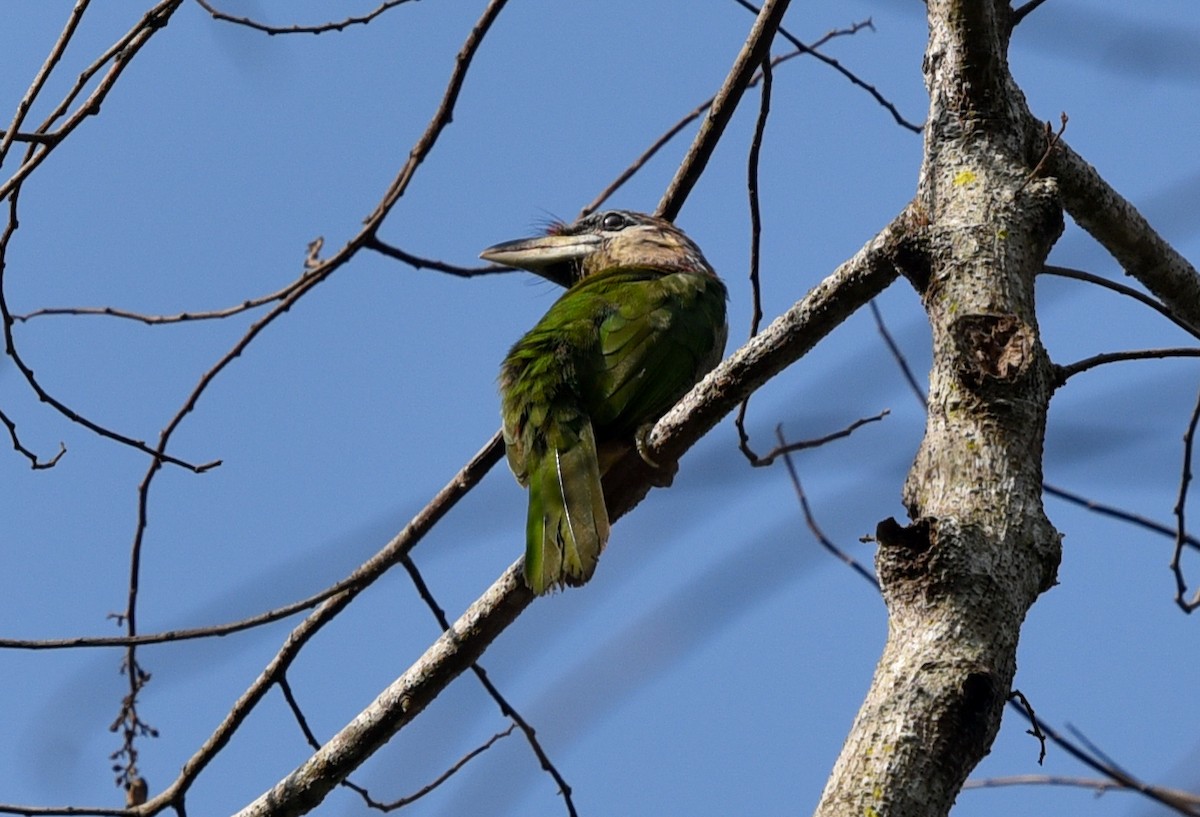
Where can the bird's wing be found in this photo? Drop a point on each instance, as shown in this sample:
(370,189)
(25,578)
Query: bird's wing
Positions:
(656,339)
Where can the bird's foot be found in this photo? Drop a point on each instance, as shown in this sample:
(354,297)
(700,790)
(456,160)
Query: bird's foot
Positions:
(661,475)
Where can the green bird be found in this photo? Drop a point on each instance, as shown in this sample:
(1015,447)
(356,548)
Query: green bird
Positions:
(641,322)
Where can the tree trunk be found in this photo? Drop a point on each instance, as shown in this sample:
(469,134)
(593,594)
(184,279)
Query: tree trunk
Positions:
(960,578)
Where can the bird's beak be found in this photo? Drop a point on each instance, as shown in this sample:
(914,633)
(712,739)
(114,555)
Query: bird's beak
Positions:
(540,253)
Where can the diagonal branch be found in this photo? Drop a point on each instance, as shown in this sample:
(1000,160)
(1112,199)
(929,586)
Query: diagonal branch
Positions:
(360,579)
(756,49)
(39,81)
(1124,232)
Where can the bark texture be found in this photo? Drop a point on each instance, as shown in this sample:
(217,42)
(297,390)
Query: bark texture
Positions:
(959,579)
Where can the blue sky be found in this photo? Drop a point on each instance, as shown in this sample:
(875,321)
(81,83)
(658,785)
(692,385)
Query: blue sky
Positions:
(716,660)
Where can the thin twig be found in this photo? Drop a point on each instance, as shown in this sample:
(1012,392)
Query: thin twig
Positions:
(34,462)
(1064,373)
(699,110)
(1124,779)
(159,456)
(1181,535)
(1117,513)
(1123,231)
(1035,728)
(783,450)
(437,781)
(1052,141)
(319,28)
(166,636)
(506,708)
(1137,295)
(417,262)
(154,320)
(1099,786)
(1024,11)
(361,791)
(764,110)
(837,66)
(756,49)
(752,161)
(825,541)
(120,54)
(13,133)
(898,356)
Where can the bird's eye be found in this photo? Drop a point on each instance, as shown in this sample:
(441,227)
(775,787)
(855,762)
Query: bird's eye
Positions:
(614,221)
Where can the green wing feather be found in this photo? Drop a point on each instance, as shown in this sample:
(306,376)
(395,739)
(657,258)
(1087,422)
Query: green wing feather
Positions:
(666,334)
(568,523)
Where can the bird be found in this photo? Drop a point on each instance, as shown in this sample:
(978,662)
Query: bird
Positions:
(641,322)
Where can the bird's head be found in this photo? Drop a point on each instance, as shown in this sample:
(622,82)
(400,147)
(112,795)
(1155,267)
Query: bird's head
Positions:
(613,238)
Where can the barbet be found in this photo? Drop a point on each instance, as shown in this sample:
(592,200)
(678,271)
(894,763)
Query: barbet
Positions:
(642,321)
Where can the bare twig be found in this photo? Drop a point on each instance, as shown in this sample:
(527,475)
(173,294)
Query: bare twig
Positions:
(1117,513)
(824,540)
(898,355)
(319,28)
(764,110)
(1098,785)
(154,320)
(1167,797)
(166,636)
(61,811)
(1181,535)
(1024,11)
(286,688)
(783,449)
(1141,297)
(417,262)
(756,49)
(159,455)
(1052,140)
(760,126)
(671,132)
(433,784)
(34,462)
(1035,729)
(39,82)
(837,66)
(120,55)
(506,708)
(362,791)
(699,110)
(1064,373)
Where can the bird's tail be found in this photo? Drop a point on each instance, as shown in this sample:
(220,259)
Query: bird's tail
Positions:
(568,521)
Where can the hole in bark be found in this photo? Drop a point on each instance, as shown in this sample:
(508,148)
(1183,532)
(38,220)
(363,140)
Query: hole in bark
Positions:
(979,694)
(965,722)
(914,538)
(996,347)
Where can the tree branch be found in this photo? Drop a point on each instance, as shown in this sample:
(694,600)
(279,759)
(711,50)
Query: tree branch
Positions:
(1109,218)
(756,49)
